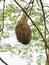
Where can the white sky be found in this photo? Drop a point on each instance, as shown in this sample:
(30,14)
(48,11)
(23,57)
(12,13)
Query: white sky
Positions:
(13,60)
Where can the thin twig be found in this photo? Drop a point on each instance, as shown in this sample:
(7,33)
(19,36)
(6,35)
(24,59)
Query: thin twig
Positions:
(43,16)
(47,30)
(31,6)
(3,61)
(37,3)
(24,1)
(47,16)
(32,22)
(46,6)
(45,27)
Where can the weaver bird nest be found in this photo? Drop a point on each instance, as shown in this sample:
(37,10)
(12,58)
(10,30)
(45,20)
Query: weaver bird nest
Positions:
(23,31)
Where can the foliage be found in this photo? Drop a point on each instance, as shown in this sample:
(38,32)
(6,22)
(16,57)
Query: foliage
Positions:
(11,15)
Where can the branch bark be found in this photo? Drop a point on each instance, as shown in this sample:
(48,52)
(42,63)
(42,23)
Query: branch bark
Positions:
(3,61)
(44,18)
(31,21)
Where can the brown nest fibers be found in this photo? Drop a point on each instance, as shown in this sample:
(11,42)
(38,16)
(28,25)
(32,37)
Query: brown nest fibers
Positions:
(23,31)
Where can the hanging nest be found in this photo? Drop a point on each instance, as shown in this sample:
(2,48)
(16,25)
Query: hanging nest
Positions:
(23,31)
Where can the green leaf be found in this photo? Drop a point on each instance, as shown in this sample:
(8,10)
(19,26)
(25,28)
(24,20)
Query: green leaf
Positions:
(19,22)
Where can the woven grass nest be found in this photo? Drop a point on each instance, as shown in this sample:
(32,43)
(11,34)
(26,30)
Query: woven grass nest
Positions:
(23,31)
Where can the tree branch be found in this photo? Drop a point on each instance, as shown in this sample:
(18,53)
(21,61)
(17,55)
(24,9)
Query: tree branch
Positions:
(3,61)
(45,28)
(31,21)
(43,16)
(31,2)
